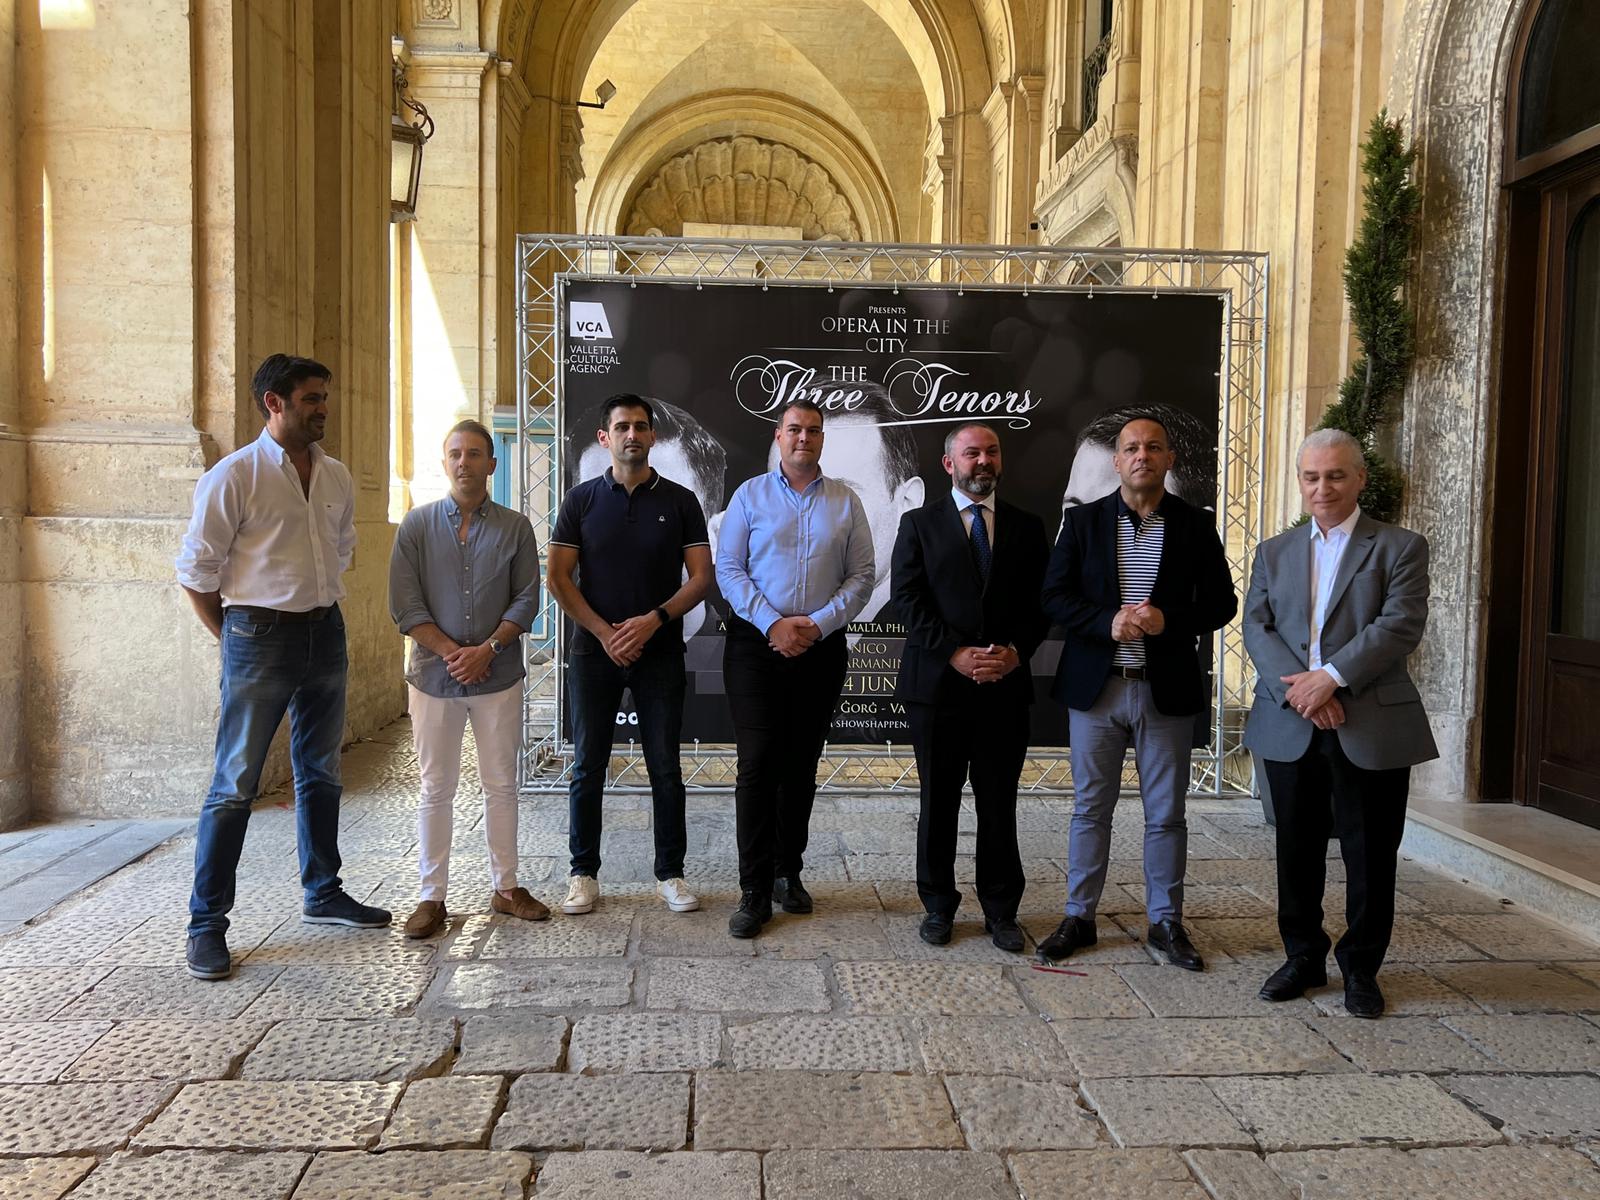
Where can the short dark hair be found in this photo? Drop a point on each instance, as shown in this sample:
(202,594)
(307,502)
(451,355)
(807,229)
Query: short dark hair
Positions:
(625,400)
(281,374)
(950,438)
(803,406)
(1195,445)
(899,447)
(471,426)
(706,457)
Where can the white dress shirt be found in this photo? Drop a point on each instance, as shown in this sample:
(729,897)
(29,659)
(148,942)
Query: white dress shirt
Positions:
(964,502)
(1327,549)
(257,537)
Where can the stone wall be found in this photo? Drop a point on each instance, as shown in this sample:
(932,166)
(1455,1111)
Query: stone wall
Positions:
(13,462)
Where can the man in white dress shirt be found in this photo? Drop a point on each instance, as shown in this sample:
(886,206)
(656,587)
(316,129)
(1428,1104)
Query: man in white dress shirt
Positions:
(272,533)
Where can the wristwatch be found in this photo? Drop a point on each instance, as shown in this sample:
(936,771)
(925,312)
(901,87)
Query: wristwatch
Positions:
(494,644)
(662,613)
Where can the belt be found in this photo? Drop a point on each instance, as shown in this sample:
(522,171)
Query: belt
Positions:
(277,616)
(1129,672)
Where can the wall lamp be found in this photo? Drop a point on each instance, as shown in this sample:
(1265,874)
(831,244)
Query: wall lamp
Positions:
(406,140)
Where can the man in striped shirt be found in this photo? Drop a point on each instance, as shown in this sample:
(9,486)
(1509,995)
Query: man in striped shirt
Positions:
(1136,579)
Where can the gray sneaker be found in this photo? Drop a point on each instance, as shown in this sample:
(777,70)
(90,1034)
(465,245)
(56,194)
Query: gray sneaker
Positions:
(207,955)
(342,909)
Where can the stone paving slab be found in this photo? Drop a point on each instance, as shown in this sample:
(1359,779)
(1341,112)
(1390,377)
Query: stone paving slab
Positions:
(1114,944)
(927,989)
(1532,1041)
(595,1112)
(66,940)
(736,985)
(859,935)
(968,943)
(1224,991)
(38,993)
(1104,1175)
(1343,1110)
(1441,895)
(353,991)
(1409,1044)
(455,1112)
(1267,1045)
(407,1175)
(593,935)
(630,1042)
(74,1118)
(179,1174)
(1210,901)
(177,1050)
(804,1043)
(821,1111)
(1460,1173)
(1507,987)
(39,1051)
(233,1114)
(385,1051)
(1079,990)
(699,934)
(1021,1046)
(885,1175)
(171,993)
(512,1044)
(1237,1175)
(1408,991)
(1001,1113)
(294,943)
(1516,937)
(41,1178)
(477,986)
(1534,1108)
(1163,1112)
(624,1175)
(160,940)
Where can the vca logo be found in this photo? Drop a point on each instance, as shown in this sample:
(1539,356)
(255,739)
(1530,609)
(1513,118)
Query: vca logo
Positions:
(587,320)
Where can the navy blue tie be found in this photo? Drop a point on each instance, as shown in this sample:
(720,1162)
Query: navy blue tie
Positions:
(980,542)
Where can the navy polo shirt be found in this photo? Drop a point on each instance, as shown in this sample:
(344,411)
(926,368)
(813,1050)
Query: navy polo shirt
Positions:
(630,550)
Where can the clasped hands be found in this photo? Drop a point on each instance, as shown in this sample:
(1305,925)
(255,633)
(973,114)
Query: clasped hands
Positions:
(627,639)
(469,664)
(985,664)
(1311,694)
(1134,621)
(793,636)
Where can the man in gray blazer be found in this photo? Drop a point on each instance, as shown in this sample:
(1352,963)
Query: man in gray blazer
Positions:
(1334,609)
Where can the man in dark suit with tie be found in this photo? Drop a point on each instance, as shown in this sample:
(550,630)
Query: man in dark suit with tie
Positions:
(1334,609)
(966,574)
(1136,579)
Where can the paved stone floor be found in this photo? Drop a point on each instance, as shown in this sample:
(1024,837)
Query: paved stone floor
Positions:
(637,1053)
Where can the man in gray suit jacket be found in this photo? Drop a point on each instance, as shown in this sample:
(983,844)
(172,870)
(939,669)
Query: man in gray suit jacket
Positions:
(1334,609)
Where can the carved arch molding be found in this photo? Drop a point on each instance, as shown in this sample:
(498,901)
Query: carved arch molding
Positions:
(742,181)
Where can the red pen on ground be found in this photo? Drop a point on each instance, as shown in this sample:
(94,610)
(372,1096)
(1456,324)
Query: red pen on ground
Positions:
(1060,971)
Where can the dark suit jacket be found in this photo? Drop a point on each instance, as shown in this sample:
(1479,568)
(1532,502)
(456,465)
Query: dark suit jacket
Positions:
(945,606)
(1194,591)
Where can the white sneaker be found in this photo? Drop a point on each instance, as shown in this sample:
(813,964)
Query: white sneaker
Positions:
(677,895)
(582,892)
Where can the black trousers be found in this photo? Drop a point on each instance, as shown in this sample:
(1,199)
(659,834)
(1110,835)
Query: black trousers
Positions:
(987,741)
(781,710)
(1322,794)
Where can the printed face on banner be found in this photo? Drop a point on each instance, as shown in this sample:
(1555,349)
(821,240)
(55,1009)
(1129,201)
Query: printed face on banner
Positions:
(1054,374)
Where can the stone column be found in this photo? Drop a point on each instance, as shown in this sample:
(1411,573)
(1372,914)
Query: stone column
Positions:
(13,457)
(1011,116)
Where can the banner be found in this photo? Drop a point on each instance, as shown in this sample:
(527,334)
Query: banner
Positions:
(1054,373)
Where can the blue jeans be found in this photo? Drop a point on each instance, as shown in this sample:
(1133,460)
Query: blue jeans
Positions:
(657,682)
(269,668)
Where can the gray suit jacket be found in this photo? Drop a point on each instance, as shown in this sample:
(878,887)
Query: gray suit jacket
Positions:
(1376,614)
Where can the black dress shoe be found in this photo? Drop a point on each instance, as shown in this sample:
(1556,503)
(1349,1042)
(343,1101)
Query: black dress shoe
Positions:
(936,929)
(788,891)
(1362,997)
(1290,981)
(1169,938)
(1074,933)
(1005,933)
(755,910)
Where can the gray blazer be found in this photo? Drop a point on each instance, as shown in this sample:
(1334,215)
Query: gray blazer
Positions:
(1376,614)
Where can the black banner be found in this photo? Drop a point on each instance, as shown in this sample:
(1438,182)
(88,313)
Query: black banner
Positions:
(894,371)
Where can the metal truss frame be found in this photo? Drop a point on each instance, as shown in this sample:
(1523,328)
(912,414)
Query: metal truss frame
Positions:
(545,262)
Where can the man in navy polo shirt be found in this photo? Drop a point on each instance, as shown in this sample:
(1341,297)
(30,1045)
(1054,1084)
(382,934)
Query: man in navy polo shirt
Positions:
(629,535)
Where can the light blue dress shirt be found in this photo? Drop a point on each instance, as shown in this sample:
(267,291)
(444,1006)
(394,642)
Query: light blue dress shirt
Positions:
(1327,549)
(783,553)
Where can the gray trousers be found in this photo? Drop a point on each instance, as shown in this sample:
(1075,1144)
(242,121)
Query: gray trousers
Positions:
(1124,714)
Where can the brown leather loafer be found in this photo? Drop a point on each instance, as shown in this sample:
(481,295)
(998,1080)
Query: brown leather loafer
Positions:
(427,920)
(519,904)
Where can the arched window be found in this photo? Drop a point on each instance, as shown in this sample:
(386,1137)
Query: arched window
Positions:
(1557,101)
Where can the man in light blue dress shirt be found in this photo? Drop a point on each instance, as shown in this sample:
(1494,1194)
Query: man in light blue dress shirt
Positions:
(795,564)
